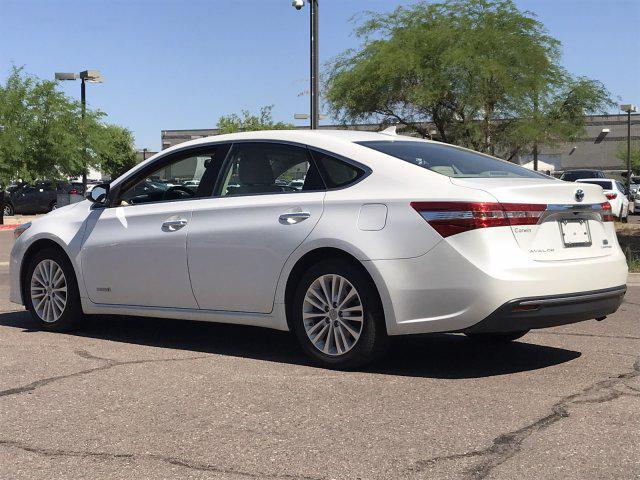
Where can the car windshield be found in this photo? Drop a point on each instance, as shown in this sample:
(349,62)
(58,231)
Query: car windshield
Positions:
(605,184)
(574,175)
(449,160)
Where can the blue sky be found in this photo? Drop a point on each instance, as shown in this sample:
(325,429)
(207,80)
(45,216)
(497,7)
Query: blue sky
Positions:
(182,63)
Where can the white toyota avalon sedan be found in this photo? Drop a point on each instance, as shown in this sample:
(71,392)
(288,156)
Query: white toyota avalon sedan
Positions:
(342,237)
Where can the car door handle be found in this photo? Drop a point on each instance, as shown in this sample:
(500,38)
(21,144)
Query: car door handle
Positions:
(173,225)
(293,217)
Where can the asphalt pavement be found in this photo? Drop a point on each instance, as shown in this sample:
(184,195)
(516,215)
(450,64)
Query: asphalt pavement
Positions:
(160,399)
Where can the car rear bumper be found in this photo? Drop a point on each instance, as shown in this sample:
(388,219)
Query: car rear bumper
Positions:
(551,311)
(446,291)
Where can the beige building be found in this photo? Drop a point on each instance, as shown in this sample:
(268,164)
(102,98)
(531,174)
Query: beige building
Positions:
(597,148)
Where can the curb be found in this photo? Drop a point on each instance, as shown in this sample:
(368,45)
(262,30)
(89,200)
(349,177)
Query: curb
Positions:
(633,280)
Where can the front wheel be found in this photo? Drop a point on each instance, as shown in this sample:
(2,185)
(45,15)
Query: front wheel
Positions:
(337,317)
(8,210)
(53,206)
(497,337)
(51,293)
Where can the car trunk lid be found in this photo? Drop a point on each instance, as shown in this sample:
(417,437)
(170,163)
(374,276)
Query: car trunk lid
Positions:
(572,226)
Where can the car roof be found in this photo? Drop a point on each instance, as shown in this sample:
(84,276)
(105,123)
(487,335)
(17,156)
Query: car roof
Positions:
(595,180)
(296,136)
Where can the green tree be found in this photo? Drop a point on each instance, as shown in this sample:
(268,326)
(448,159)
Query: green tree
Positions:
(484,73)
(246,122)
(113,149)
(621,154)
(43,131)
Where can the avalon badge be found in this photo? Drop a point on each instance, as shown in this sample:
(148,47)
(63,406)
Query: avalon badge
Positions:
(579,195)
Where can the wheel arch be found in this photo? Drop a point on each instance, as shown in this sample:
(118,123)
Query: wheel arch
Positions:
(322,253)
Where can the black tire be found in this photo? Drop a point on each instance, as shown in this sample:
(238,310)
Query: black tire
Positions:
(497,337)
(373,339)
(8,210)
(624,219)
(53,206)
(72,313)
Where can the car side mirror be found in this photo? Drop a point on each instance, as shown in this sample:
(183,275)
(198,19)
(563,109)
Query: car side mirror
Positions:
(98,194)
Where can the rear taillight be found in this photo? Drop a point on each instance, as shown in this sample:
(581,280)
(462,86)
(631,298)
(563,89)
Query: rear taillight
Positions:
(607,214)
(611,196)
(73,191)
(450,218)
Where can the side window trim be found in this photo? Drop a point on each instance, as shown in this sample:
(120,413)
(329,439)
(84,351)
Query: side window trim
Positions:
(162,162)
(365,169)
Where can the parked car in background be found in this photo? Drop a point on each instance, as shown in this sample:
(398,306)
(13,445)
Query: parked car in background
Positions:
(573,175)
(38,197)
(388,235)
(615,192)
(297,184)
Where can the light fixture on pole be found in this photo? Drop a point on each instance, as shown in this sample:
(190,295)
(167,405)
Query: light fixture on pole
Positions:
(629,108)
(91,76)
(305,116)
(313,4)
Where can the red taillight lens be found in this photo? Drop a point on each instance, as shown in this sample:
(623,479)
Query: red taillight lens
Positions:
(607,214)
(450,218)
(73,191)
(611,196)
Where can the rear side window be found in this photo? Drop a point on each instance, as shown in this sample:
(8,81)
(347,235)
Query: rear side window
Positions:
(263,168)
(450,161)
(605,184)
(336,173)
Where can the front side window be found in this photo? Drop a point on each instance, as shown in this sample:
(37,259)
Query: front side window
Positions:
(262,168)
(449,160)
(187,177)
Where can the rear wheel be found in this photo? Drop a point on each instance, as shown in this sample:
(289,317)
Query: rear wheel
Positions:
(497,337)
(337,316)
(51,293)
(8,210)
(53,206)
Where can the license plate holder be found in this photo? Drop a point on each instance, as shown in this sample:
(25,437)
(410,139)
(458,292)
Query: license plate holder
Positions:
(575,233)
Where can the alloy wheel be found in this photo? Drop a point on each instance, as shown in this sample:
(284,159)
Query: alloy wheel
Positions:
(48,290)
(333,314)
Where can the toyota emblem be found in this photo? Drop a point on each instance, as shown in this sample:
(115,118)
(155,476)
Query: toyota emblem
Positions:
(579,195)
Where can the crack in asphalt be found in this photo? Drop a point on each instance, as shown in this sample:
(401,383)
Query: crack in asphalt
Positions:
(109,363)
(189,464)
(507,445)
(576,334)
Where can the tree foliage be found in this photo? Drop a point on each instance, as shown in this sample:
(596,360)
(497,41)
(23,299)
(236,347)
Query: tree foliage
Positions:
(247,122)
(45,136)
(113,149)
(484,73)
(621,154)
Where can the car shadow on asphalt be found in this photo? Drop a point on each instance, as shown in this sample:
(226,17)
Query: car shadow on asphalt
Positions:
(433,356)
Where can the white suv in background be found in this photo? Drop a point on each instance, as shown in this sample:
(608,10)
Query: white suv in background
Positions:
(615,193)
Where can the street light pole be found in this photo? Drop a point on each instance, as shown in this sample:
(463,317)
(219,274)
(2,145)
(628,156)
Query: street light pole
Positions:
(628,108)
(313,60)
(314,64)
(83,103)
(93,76)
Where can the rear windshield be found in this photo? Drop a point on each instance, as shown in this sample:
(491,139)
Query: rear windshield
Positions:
(450,161)
(606,184)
